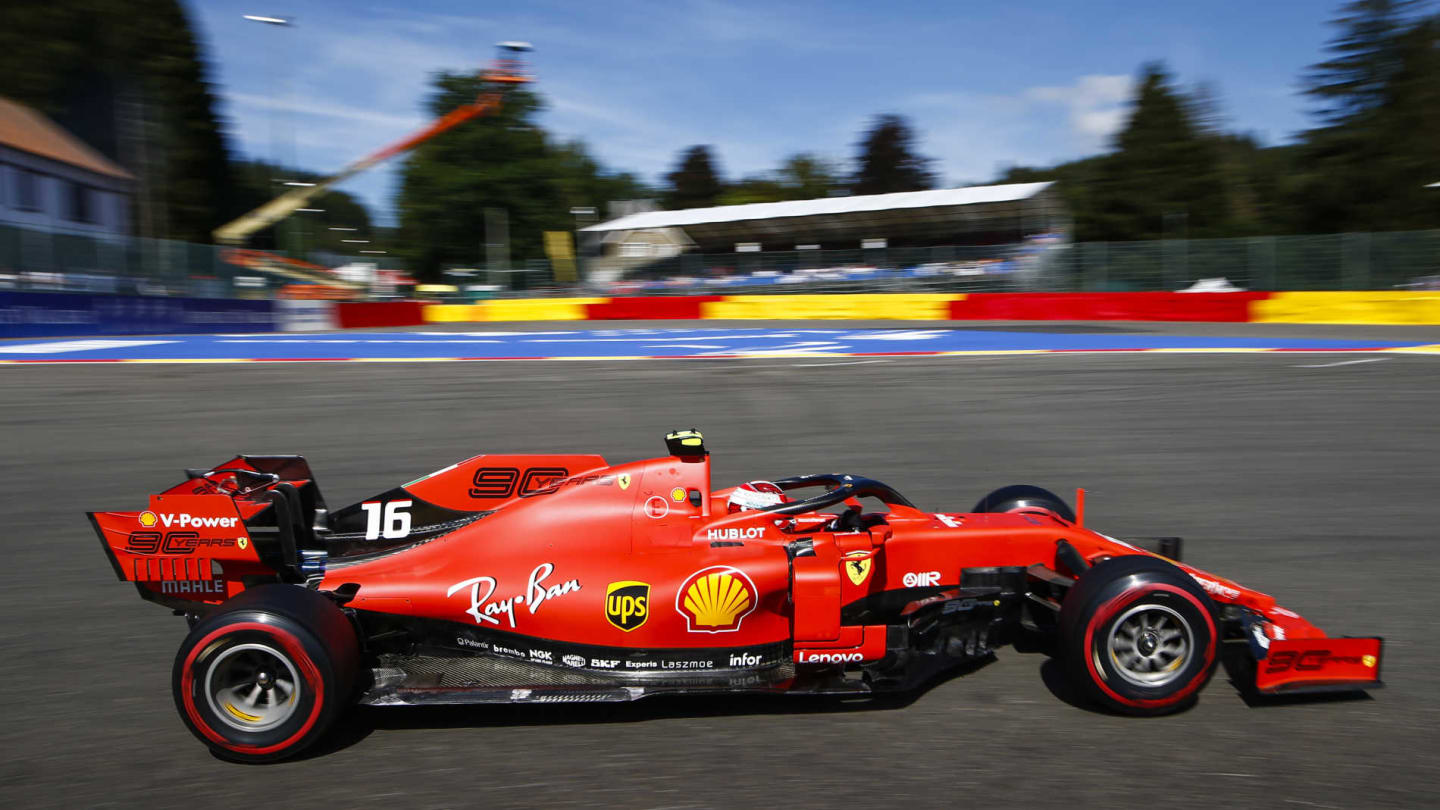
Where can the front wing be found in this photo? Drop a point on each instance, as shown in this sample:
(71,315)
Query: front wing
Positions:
(1305,665)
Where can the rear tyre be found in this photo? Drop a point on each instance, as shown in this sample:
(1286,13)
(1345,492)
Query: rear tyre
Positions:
(1138,636)
(267,675)
(1024,496)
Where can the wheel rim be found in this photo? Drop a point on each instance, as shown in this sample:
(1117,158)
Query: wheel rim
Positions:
(252,687)
(1149,645)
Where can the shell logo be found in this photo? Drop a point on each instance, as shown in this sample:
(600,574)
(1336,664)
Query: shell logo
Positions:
(147,519)
(716,599)
(1368,660)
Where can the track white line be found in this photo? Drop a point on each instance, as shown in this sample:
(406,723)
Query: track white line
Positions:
(850,363)
(1345,363)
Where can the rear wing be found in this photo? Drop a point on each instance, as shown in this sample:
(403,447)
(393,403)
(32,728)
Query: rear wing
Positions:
(256,519)
(248,520)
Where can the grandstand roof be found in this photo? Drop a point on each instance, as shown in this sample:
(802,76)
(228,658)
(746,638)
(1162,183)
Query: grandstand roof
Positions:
(827,206)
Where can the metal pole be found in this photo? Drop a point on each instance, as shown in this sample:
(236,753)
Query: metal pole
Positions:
(583,214)
(497,242)
(1184,246)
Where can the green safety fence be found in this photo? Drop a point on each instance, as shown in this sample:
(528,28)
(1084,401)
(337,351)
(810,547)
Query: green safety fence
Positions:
(37,259)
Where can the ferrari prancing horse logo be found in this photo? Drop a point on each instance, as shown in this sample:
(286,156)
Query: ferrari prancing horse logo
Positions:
(858,568)
(624,480)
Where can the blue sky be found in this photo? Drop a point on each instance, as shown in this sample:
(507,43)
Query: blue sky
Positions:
(986,84)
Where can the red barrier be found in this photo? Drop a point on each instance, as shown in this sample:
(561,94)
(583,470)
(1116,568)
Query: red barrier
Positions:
(359,315)
(1138,306)
(668,307)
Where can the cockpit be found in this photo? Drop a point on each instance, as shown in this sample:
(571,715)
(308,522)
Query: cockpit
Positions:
(840,489)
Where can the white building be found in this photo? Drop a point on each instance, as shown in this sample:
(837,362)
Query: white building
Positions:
(51,181)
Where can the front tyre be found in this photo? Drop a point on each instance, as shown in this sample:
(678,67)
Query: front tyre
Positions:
(1018,497)
(1138,636)
(267,675)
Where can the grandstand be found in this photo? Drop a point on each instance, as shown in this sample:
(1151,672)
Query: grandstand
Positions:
(773,242)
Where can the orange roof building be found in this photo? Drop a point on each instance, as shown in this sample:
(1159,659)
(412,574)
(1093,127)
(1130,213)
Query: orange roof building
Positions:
(51,180)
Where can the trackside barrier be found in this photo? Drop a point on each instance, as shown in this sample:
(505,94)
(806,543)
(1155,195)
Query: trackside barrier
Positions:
(1381,307)
(1136,306)
(304,316)
(47,314)
(513,309)
(537,309)
(891,306)
(379,313)
(640,308)
(1384,307)
(52,314)
(449,313)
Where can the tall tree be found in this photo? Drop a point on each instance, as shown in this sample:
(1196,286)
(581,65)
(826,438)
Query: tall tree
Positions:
(1350,85)
(1374,132)
(1363,167)
(758,189)
(129,78)
(695,182)
(805,176)
(584,182)
(1164,177)
(888,160)
(801,176)
(503,161)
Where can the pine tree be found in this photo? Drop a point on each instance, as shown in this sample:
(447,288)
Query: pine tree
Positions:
(694,183)
(1359,160)
(1407,125)
(888,161)
(1164,175)
(1351,83)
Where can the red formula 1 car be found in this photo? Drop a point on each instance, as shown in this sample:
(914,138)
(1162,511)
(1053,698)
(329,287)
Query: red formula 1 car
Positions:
(552,578)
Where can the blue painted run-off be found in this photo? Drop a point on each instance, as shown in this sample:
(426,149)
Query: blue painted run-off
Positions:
(627,343)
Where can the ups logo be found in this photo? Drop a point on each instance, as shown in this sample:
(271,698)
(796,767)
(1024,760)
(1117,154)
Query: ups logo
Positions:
(627,604)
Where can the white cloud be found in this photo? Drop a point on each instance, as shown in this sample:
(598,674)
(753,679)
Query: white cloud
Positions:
(1096,103)
(359,115)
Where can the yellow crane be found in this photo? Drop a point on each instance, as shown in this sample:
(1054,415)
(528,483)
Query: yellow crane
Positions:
(507,70)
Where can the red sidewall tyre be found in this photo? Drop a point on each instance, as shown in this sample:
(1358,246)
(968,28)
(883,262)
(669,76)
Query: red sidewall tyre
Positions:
(311,642)
(1128,586)
(1019,497)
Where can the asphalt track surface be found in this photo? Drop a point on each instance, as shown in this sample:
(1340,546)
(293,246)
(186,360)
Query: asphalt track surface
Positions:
(1312,477)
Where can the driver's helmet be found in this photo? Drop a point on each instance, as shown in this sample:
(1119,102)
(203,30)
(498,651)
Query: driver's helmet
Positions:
(756,495)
